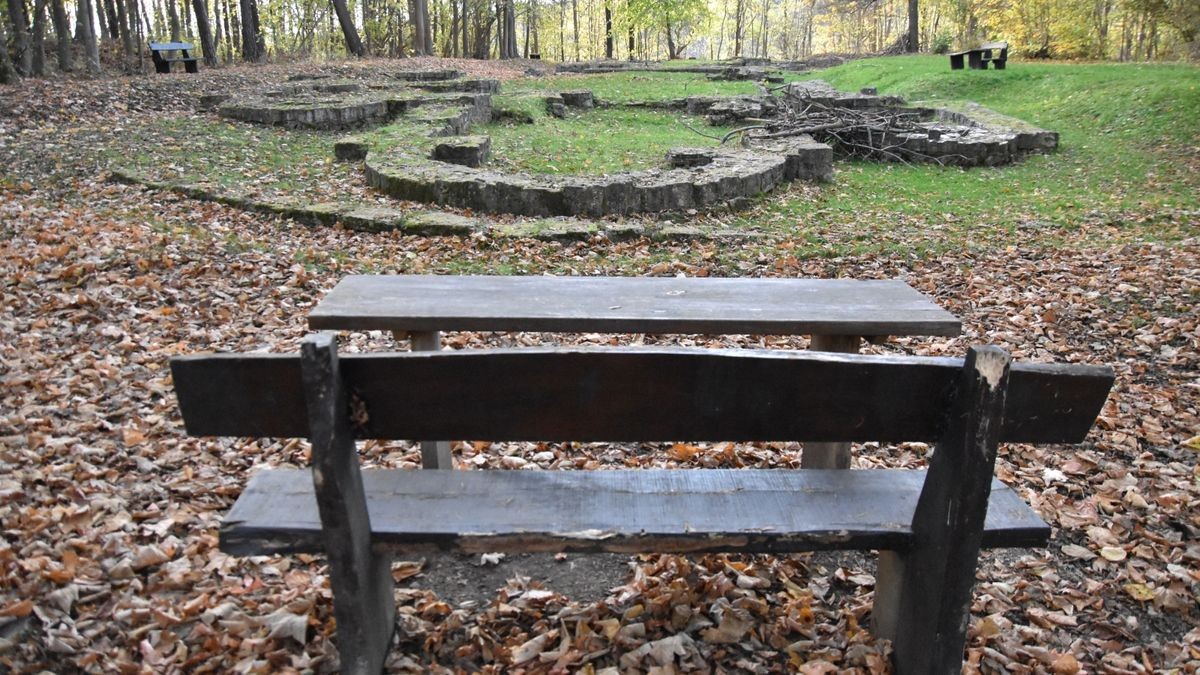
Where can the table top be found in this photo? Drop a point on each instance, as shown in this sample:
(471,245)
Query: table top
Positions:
(717,306)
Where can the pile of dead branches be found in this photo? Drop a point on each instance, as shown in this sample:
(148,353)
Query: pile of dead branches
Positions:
(874,133)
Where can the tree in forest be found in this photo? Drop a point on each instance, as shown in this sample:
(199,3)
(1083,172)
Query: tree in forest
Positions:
(507,29)
(914,34)
(205,29)
(62,31)
(173,21)
(608,31)
(353,44)
(422,35)
(8,74)
(91,49)
(38,68)
(252,41)
(677,18)
(22,50)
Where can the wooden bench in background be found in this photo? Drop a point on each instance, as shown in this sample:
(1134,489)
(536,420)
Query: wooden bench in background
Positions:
(160,54)
(995,53)
(931,524)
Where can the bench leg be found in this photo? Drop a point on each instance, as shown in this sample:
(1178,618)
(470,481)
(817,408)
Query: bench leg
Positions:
(885,613)
(937,574)
(363,601)
(829,455)
(434,454)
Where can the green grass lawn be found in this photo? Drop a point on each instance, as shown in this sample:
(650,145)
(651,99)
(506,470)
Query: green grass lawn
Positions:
(1126,167)
(595,142)
(633,86)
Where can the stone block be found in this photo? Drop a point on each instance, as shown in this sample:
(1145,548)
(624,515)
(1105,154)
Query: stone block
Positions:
(439,223)
(373,219)
(556,107)
(472,151)
(579,98)
(350,149)
(688,158)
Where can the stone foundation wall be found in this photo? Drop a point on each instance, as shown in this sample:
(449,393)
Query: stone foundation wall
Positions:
(729,176)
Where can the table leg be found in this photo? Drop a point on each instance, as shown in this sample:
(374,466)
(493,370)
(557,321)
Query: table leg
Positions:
(889,569)
(434,454)
(829,455)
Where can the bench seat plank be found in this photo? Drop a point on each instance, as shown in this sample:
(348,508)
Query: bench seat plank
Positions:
(682,511)
(631,305)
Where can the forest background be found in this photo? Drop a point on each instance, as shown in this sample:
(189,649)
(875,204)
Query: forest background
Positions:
(44,37)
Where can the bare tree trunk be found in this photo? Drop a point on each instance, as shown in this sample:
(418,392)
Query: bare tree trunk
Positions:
(353,43)
(466,45)
(426,32)
(533,22)
(415,20)
(39,38)
(232,22)
(8,74)
(501,24)
(608,34)
(124,21)
(62,32)
(510,28)
(205,30)
(22,51)
(421,24)
(764,33)
(109,12)
(914,32)
(218,34)
(739,26)
(187,17)
(173,20)
(91,49)
(575,20)
(250,31)
(528,27)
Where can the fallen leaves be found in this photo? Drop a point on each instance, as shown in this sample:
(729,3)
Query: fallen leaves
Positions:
(110,561)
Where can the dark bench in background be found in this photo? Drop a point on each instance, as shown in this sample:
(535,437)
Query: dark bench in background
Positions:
(978,58)
(928,525)
(160,54)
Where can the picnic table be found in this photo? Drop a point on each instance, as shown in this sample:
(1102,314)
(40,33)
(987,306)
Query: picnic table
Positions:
(836,313)
(160,53)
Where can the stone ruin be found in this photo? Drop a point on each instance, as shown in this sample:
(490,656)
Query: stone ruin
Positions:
(969,135)
(442,162)
(434,157)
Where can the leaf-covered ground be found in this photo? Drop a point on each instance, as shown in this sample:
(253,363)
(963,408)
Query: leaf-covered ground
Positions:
(109,513)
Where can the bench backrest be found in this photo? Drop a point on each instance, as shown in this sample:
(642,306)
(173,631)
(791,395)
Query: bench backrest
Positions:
(631,394)
(170,46)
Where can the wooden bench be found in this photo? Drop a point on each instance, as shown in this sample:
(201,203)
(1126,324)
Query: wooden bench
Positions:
(836,313)
(159,53)
(928,525)
(978,58)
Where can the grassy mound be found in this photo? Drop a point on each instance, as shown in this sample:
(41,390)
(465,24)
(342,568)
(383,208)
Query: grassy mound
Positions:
(1127,167)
